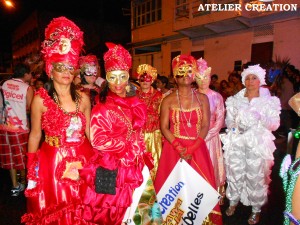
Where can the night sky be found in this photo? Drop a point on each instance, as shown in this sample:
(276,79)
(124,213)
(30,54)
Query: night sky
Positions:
(90,9)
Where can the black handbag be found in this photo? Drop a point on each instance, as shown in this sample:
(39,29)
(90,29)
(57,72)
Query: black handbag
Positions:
(105,182)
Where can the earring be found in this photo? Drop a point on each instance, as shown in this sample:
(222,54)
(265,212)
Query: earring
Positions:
(127,88)
(51,77)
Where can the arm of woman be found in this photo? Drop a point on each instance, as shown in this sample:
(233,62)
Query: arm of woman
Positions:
(37,109)
(86,109)
(218,123)
(205,115)
(164,119)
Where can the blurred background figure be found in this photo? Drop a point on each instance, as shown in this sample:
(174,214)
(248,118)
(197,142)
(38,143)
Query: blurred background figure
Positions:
(14,131)
(225,90)
(214,83)
(162,85)
(89,69)
(217,113)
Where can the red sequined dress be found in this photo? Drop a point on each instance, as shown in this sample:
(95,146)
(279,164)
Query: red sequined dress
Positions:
(116,136)
(200,161)
(62,154)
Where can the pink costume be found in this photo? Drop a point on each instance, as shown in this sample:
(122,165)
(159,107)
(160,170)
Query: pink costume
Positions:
(54,199)
(116,136)
(213,141)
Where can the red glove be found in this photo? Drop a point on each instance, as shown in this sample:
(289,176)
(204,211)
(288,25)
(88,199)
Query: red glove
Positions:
(32,166)
(191,149)
(178,147)
(148,159)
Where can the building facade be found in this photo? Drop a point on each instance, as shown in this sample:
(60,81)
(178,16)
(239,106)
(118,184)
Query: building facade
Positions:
(227,33)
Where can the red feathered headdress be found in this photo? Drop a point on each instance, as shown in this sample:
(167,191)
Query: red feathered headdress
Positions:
(63,42)
(116,58)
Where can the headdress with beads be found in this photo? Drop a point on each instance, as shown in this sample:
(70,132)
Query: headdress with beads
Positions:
(116,58)
(255,70)
(63,42)
(203,69)
(146,69)
(88,63)
(182,63)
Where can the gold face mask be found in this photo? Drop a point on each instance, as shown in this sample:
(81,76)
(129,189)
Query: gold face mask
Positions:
(185,70)
(117,77)
(62,67)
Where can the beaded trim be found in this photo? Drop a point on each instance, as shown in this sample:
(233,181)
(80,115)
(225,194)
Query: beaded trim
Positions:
(289,176)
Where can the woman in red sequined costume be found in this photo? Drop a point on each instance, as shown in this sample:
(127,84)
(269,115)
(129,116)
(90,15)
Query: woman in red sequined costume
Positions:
(54,184)
(116,136)
(185,117)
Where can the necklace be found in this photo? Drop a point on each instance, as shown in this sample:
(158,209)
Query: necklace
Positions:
(64,111)
(188,121)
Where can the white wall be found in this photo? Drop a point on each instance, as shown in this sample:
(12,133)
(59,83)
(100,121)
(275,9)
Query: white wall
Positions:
(287,41)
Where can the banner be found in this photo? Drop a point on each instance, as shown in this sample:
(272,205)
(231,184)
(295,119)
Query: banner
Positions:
(186,198)
(128,218)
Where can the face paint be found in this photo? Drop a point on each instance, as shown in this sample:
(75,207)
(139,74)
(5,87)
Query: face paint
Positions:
(62,67)
(117,77)
(145,78)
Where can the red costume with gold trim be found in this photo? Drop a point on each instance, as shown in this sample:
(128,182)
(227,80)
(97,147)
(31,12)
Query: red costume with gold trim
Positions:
(64,151)
(200,158)
(116,135)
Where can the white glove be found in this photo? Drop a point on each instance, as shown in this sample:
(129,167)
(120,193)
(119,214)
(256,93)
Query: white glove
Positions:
(31,184)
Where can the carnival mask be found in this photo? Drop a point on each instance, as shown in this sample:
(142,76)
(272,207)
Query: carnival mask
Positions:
(117,76)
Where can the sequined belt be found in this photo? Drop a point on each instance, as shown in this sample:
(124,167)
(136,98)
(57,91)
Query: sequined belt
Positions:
(53,140)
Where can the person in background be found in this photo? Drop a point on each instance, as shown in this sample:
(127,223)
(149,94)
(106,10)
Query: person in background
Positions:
(117,122)
(289,172)
(146,75)
(152,98)
(14,132)
(89,69)
(162,85)
(214,84)
(236,81)
(217,114)
(63,113)
(39,83)
(184,121)
(251,117)
(225,90)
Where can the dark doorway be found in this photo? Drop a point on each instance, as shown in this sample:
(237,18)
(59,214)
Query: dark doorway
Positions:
(262,53)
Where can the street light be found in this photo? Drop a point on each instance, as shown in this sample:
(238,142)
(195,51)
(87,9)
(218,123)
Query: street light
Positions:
(8,3)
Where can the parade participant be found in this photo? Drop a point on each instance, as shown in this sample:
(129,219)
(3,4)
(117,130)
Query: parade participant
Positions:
(289,173)
(89,69)
(152,98)
(251,116)
(116,136)
(217,114)
(54,184)
(185,117)
(14,131)
(146,75)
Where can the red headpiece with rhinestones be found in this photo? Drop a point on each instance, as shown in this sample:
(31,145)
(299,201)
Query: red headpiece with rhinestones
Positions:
(116,58)
(63,43)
